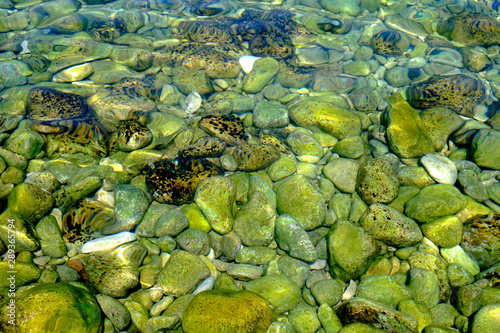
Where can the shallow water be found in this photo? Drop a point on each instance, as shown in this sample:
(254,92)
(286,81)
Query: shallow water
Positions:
(262,137)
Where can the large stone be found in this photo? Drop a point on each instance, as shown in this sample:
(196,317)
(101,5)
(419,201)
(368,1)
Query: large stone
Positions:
(54,307)
(29,202)
(486,319)
(435,201)
(297,196)
(362,250)
(390,226)
(227,311)
(405,132)
(327,117)
(384,289)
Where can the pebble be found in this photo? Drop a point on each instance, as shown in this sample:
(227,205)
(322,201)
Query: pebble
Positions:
(440,168)
(247,62)
(108,243)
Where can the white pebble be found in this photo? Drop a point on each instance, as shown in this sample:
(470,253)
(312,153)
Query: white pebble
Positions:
(247,62)
(350,291)
(108,242)
(318,264)
(207,284)
(193,102)
(440,168)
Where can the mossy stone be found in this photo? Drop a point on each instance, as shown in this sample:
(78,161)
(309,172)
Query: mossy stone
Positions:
(61,306)
(362,250)
(279,290)
(405,132)
(182,273)
(446,231)
(29,202)
(297,196)
(227,311)
(377,182)
(384,289)
(51,239)
(435,201)
(327,117)
(264,69)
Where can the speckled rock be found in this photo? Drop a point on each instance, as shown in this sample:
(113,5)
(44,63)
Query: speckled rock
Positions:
(278,289)
(327,117)
(376,182)
(182,273)
(297,196)
(363,250)
(377,314)
(440,123)
(254,157)
(460,93)
(62,306)
(481,238)
(405,131)
(390,226)
(435,201)
(228,128)
(188,80)
(227,311)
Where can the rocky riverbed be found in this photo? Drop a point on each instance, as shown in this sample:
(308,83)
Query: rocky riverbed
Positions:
(238,166)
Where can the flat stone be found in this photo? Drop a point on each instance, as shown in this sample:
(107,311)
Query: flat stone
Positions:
(109,242)
(440,168)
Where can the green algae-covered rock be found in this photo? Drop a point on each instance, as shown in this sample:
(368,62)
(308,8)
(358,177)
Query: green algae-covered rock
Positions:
(26,272)
(405,132)
(390,226)
(327,117)
(51,239)
(171,223)
(281,168)
(360,328)
(485,152)
(54,307)
(188,80)
(114,311)
(17,232)
(215,197)
(446,231)
(435,201)
(227,311)
(279,290)
(457,255)
(297,196)
(351,250)
(262,72)
(424,286)
(377,182)
(195,241)
(440,122)
(443,315)
(417,311)
(384,289)
(29,202)
(254,222)
(377,314)
(304,319)
(327,291)
(486,319)
(270,114)
(350,7)
(342,172)
(182,273)
(293,239)
(26,143)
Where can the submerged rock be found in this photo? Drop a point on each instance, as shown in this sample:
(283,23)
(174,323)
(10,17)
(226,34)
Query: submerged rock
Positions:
(227,311)
(66,308)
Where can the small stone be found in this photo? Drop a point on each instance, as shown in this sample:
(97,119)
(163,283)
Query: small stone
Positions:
(195,241)
(444,231)
(440,168)
(279,290)
(457,255)
(269,114)
(171,223)
(327,292)
(263,70)
(384,289)
(376,182)
(486,319)
(294,240)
